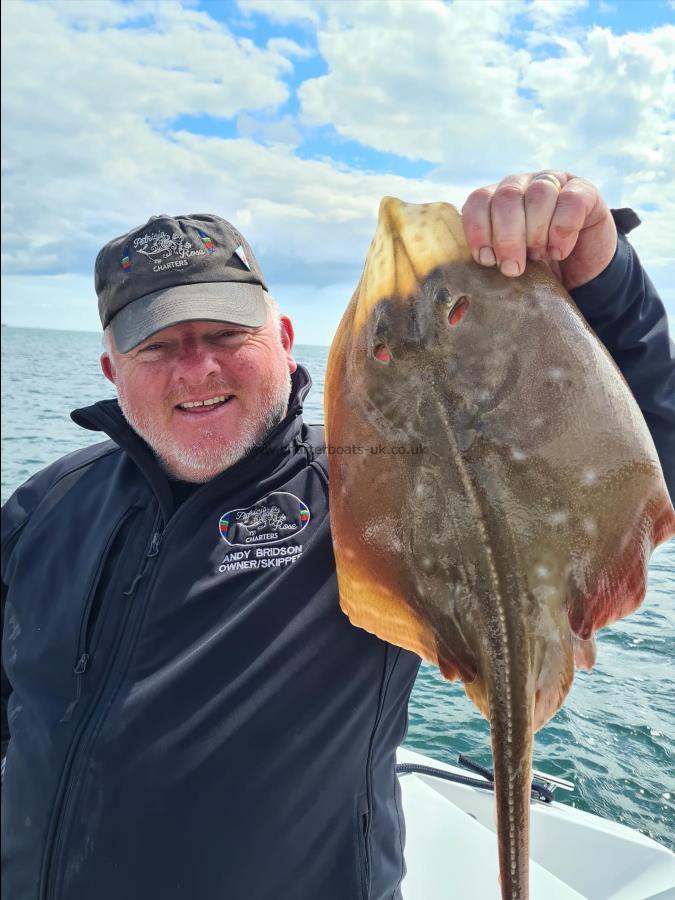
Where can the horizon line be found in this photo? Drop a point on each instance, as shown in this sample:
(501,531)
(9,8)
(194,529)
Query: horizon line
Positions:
(100,333)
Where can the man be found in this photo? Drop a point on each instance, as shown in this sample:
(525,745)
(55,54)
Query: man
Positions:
(191,715)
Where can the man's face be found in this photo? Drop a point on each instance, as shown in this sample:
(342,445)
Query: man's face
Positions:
(203,394)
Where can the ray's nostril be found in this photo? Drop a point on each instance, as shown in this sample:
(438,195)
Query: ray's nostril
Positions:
(458,310)
(381,353)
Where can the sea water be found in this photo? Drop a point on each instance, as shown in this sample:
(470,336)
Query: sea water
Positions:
(613,737)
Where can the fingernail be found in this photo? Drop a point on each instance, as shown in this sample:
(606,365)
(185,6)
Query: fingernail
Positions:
(555,253)
(510,267)
(486,257)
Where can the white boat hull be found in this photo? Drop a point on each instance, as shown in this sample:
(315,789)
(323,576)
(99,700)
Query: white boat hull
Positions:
(451,847)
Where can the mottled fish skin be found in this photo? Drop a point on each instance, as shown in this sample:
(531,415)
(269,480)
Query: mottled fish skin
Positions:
(495,493)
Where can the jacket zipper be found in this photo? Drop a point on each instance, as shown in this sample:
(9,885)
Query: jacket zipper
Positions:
(83,656)
(362,819)
(69,778)
(386,679)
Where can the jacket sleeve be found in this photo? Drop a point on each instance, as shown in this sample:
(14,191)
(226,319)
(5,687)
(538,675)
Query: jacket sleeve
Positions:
(13,520)
(6,691)
(7,542)
(15,514)
(625,311)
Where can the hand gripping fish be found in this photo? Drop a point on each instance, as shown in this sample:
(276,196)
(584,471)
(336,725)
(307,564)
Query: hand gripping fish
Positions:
(502,494)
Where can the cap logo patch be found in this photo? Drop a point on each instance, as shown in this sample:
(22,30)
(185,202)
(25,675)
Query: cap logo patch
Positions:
(166,251)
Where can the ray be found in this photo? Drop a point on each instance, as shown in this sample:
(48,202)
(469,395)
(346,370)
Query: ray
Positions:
(517,496)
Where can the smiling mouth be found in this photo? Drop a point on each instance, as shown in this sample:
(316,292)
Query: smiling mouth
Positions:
(203,405)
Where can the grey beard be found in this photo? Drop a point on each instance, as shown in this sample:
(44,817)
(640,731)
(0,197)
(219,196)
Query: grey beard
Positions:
(206,462)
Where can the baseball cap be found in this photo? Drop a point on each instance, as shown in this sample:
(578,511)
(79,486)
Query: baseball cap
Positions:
(177,269)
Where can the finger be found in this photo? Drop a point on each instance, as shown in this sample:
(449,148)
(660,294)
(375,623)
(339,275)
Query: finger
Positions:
(477,226)
(575,204)
(507,213)
(541,198)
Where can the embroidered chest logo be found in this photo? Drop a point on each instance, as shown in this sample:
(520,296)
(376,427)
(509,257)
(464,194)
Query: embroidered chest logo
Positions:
(258,536)
(274,518)
(168,251)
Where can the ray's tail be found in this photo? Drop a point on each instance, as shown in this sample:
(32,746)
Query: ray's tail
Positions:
(504,692)
(512,755)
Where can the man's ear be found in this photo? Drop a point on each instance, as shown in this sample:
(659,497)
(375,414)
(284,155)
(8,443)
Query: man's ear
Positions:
(287,336)
(108,368)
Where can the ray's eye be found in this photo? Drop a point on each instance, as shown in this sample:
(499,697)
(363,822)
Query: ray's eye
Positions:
(443,297)
(459,307)
(455,305)
(381,353)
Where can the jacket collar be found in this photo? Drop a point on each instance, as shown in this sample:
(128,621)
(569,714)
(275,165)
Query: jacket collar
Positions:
(106,416)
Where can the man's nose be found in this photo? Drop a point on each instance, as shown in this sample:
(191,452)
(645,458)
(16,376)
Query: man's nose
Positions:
(197,363)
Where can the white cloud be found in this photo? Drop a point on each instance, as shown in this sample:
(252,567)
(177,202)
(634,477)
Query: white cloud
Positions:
(549,13)
(181,61)
(310,222)
(462,94)
(83,123)
(87,158)
(276,131)
(615,99)
(286,47)
(98,15)
(427,81)
(91,148)
(285,11)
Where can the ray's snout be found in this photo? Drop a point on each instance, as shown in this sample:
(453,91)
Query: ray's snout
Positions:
(420,323)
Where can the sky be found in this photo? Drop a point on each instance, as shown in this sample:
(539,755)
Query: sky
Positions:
(293,118)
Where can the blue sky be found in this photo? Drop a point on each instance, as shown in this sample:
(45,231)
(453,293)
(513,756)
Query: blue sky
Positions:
(293,118)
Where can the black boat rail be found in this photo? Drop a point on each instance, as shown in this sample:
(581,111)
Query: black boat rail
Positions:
(542,786)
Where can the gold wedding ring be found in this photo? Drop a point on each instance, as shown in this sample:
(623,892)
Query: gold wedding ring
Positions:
(548,176)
